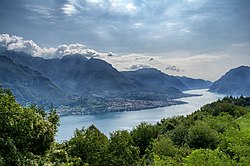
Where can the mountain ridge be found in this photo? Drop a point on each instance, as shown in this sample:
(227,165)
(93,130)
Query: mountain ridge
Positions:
(29,85)
(195,83)
(234,82)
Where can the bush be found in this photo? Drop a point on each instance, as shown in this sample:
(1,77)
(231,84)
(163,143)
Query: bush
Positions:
(201,135)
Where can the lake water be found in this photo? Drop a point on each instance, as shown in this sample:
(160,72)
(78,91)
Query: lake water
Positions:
(108,122)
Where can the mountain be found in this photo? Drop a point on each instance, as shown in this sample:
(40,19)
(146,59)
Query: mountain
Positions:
(79,85)
(83,76)
(77,75)
(22,58)
(29,86)
(193,83)
(234,82)
(150,79)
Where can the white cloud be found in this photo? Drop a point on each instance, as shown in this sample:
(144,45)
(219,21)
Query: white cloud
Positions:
(185,30)
(137,25)
(95,1)
(130,7)
(69,8)
(120,6)
(191,1)
(28,46)
(138,66)
(189,65)
(44,12)
(172,25)
(111,54)
(240,44)
(72,7)
(17,43)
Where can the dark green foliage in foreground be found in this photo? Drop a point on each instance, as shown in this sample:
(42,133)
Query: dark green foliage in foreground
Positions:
(88,144)
(143,135)
(217,134)
(23,130)
(121,150)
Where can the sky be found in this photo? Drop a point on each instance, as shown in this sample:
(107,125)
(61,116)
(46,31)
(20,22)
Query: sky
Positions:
(196,38)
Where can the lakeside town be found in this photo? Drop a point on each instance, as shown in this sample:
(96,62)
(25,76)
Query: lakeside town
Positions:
(114,105)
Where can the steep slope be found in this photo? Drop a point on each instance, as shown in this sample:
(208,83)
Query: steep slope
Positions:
(76,74)
(21,58)
(150,79)
(192,83)
(234,82)
(98,75)
(62,71)
(29,85)
(83,76)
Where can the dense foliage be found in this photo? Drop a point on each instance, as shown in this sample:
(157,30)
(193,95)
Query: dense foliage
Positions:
(217,134)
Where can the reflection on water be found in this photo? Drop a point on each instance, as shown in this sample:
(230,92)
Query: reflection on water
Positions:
(108,122)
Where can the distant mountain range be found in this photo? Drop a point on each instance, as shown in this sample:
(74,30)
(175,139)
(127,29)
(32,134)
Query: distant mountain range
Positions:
(74,80)
(235,82)
(192,83)
(81,76)
(76,74)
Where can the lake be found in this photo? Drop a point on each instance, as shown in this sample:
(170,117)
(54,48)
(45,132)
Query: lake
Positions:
(108,122)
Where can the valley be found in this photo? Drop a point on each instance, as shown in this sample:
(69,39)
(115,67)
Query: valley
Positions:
(77,85)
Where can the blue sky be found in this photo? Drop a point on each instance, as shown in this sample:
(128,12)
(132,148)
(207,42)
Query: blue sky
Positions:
(198,38)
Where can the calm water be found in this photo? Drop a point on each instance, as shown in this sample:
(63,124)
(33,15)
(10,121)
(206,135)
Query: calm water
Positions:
(108,122)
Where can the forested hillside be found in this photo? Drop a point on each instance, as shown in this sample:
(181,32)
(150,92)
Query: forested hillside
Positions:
(217,134)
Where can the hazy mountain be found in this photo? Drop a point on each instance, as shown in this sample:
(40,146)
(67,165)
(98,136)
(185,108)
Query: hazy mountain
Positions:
(81,76)
(23,59)
(193,83)
(29,86)
(234,82)
(150,79)
(93,84)
(76,74)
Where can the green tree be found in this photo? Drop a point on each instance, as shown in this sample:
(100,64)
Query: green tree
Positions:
(201,135)
(142,136)
(163,161)
(88,144)
(168,124)
(179,134)
(121,150)
(164,146)
(208,157)
(216,108)
(23,131)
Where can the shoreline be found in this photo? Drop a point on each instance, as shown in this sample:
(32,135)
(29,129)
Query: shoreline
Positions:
(111,121)
(82,111)
(123,104)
